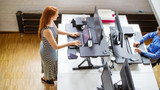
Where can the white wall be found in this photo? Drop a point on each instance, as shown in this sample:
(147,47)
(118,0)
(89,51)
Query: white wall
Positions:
(155,5)
(8,8)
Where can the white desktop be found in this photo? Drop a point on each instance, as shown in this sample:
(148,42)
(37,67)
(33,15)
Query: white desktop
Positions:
(69,79)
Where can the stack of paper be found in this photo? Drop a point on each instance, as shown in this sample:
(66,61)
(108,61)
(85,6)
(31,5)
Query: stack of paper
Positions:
(106,15)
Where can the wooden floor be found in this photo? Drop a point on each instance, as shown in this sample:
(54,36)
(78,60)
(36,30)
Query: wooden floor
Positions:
(20,63)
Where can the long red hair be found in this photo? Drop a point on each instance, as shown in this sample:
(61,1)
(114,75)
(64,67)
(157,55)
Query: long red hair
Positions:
(46,17)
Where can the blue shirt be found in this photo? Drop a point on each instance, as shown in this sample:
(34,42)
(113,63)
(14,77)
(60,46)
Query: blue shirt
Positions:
(154,47)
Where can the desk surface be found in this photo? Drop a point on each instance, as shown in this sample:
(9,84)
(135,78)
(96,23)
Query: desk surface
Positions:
(143,76)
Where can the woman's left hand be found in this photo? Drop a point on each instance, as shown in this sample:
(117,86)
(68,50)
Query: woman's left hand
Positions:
(76,34)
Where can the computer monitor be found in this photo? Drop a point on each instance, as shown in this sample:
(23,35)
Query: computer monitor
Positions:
(98,25)
(126,77)
(96,12)
(119,32)
(107,83)
(85,35)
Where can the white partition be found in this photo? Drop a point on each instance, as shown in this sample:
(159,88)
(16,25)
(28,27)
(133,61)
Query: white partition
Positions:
(155,5)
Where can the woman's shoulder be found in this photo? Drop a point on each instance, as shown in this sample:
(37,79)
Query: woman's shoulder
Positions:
(152,33)
(47,27)
(47,32)
(50,27)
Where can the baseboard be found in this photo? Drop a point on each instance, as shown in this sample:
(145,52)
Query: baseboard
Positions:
(9,31)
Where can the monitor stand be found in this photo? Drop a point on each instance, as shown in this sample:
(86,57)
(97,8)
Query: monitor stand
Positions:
(89,66)
(100,88)
(116,87)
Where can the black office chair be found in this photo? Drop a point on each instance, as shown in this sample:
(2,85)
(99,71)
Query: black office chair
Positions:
(154,64)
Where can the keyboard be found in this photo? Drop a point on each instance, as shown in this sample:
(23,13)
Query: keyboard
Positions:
(73,39)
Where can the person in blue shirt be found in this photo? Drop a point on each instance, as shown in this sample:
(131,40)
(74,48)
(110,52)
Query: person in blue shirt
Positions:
(154,48)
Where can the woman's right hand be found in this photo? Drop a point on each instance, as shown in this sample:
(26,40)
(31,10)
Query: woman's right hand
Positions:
(76,43)
(136,44)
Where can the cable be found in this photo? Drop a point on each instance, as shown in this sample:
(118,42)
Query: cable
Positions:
(118,81)
(108,39)
(127,46)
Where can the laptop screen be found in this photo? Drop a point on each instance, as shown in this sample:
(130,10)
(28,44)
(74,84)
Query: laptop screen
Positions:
(85,35)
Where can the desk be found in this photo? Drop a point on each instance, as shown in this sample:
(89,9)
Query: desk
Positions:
(143,76)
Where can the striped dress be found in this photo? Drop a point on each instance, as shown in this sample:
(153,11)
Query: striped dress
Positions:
(48,56)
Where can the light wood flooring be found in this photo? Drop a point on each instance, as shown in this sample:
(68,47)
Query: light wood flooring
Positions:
(20,63)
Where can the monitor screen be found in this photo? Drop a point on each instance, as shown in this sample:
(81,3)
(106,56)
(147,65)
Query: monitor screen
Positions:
(85,35)
(106,79)
(126,77)
(119,28)
(98,25)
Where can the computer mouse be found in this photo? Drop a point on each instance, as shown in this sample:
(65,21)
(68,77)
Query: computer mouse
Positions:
(133,59)
(83,26)
(89,43)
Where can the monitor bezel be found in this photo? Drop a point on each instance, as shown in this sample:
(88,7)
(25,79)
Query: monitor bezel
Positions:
(106,68)
(101,28)
(126,77)
(119,29)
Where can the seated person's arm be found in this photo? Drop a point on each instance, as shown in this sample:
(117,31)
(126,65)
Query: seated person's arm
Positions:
(145,37)
(154,56)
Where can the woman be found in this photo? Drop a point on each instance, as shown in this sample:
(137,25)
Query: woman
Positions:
(48,46)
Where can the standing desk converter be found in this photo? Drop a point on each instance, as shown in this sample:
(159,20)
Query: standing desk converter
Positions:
(125,52)
(96,50)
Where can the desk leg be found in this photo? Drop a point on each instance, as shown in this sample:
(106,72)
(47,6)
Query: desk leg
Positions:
(90,65)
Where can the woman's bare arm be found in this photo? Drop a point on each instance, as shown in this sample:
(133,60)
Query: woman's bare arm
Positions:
(49,36)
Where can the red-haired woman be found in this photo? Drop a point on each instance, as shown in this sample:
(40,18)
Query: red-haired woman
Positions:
(47,33)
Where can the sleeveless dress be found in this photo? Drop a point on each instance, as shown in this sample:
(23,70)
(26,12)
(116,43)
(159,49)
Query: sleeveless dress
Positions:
(48,56)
